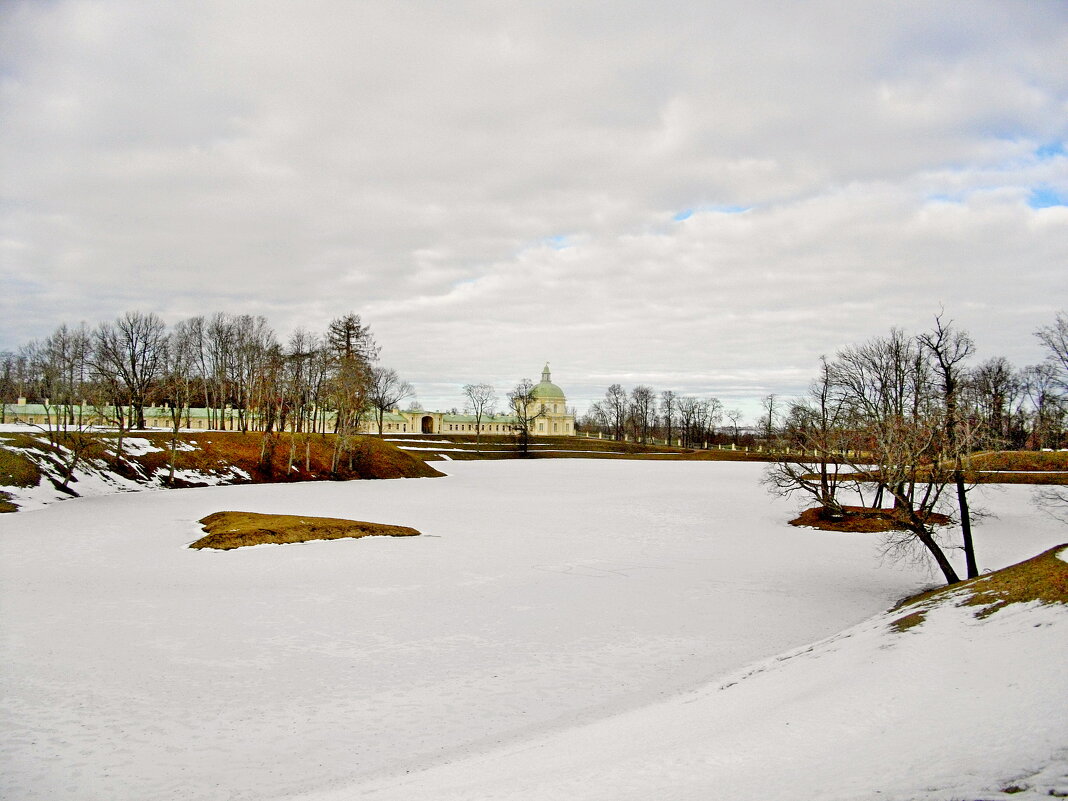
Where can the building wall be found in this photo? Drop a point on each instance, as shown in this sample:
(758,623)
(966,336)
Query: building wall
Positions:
(398,422)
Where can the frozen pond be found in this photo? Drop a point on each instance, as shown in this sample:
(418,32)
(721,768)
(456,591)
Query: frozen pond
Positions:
(544,594)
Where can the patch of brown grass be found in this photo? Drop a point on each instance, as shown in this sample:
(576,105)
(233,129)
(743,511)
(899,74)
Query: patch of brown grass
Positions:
(998,467)
(228,530)
(860,519)
(1037,461)
(216,451)
(17,471)
(1043,578)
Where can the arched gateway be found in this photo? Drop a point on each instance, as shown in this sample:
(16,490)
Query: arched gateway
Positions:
(428,425)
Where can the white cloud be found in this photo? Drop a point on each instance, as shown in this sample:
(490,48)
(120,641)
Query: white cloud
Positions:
(492,185)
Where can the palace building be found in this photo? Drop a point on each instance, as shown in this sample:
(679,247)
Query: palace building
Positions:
(549,404)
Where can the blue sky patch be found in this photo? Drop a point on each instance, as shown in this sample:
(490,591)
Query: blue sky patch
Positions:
(686,214)
(1050,150)
(1043,197)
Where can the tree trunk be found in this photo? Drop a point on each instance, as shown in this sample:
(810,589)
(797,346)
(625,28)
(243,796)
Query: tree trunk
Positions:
(939,555)
(966,524)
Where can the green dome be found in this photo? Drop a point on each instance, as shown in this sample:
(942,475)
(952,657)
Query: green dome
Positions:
(546,389)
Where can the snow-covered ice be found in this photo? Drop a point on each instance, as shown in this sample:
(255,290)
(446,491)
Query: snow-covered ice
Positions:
(563,630)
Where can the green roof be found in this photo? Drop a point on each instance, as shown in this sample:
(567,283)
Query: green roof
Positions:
(546,389)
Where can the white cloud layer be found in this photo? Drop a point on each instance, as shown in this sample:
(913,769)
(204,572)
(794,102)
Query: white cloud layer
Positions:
(700,196)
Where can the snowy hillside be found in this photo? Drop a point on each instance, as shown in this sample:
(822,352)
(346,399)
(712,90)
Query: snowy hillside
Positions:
(563,629)
(202,459)
(957,708)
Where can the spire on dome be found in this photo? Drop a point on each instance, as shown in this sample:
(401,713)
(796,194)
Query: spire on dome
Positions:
(545,374)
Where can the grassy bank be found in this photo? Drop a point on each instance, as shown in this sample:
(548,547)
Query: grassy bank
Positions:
(1042,579)
(29,460)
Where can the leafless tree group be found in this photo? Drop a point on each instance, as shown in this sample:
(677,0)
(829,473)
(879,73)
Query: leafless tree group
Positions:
(905,414)
(643,415)
(233,366)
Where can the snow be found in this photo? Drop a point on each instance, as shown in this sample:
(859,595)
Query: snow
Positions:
(565,629)
(94,477)
(421,441)
(138,446)
(90,479)
(867,713)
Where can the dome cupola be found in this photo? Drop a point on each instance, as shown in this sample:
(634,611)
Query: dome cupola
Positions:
(546,389)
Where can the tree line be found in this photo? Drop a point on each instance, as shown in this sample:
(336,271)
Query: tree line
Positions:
(900,417)
(643,415)
(234,366)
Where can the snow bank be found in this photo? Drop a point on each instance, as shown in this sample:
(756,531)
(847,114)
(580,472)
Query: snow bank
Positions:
(94,477)
(956,708)
(548,609)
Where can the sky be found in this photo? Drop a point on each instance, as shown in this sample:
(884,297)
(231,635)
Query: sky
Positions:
(704,197)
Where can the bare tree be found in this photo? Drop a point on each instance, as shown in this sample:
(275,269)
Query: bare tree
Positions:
(14,379)
(668,411)
(387,390)
(814,441)
(61,362)
(483,399)
(525,410)
(616,408)
(177,382)
(949,349)
(770,420)
(1042,388)
(1055,339)
(131,350)
(642,411)
(885,388)
(995,387)
(735,416)
(302,375)
(68,351)
(689,414)
(596,417)
(253,343)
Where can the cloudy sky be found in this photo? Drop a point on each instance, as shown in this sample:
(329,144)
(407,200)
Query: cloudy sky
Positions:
(703,196)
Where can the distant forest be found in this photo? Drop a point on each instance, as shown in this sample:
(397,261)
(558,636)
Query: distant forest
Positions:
(235,367)
(931,375)
(232,365)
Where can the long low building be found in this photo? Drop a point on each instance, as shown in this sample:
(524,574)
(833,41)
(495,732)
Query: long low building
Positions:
(553,417)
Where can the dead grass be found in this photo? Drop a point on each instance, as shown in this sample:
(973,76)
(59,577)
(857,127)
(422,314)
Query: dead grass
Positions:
(17,471)
(229,530)
(1043,578)
(214,452)
(859,519)
(1036,461)
(1000,467)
